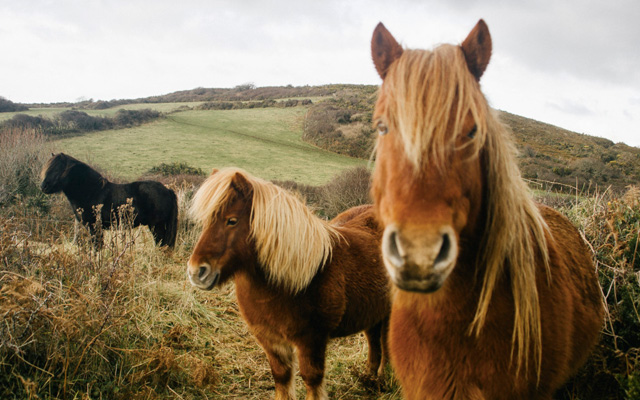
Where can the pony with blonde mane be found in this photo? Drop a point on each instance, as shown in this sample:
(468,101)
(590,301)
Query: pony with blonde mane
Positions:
(498,296)
(300,280)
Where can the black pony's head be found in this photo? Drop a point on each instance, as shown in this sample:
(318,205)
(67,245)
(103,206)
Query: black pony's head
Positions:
(55,173)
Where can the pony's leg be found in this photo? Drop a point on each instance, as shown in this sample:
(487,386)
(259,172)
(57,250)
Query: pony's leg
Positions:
(384,339)
(158,232)
(281,360)
(311,355)
(374,338)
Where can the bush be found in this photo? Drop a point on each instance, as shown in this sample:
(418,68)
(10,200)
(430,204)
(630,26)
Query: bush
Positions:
(311,195)
(176,168)
(23,152)
(27,122)
(611,226)
(9,106)
(347,189)
(125,118)
(79,121)
(325,125)
(350,188)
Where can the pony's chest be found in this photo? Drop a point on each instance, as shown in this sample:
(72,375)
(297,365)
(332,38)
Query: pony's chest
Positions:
(267,311)
(439,340)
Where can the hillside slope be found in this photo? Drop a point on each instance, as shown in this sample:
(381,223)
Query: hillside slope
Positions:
(548,154)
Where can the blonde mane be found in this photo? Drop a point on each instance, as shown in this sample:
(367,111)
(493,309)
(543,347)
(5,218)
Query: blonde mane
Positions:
(293,244)
(426,96)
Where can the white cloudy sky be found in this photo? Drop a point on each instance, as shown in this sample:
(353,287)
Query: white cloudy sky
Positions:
(572,63)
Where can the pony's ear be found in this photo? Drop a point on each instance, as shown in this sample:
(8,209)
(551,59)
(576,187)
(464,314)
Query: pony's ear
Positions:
(241,185)
(214,171)
(384,49)
(477,49)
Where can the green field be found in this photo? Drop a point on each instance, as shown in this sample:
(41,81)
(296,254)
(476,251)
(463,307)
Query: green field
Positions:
(265,141)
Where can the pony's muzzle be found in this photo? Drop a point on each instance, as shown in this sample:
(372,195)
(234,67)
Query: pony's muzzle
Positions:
(419,260)
(203,276)
(44,187)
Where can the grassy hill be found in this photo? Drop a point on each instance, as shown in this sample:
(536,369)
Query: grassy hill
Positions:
(551,153)
(264,141)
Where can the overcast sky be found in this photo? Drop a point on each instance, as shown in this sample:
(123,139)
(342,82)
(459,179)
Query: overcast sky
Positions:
(571,63)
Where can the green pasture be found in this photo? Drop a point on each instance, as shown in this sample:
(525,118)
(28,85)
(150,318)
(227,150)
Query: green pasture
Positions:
(266,142)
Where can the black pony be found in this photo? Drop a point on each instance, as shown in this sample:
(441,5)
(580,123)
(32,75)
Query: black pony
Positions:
(153,204)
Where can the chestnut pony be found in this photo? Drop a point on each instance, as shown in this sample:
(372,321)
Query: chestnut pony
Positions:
(498,296)
(300,280)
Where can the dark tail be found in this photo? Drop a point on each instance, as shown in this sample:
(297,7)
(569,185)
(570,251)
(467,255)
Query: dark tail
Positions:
(171,232)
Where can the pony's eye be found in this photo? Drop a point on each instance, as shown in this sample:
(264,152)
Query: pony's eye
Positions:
(232,221)
(472,132)
(382,128)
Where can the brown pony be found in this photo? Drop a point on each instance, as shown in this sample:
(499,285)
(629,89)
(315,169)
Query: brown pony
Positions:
(299,279)
(498,296)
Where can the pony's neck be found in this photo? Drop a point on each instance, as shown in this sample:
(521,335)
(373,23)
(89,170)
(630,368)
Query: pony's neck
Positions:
(83,182)
(251,280)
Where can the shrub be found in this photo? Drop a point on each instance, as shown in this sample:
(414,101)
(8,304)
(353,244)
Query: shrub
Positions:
(79,121)
(176,168)
(325,122)
(27,122)
(311,195)
(216,105)
(124,118)
(7,105)
(23,152)
(348,189)
(611,226)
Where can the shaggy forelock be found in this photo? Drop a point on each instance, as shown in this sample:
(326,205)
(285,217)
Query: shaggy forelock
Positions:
(421,92)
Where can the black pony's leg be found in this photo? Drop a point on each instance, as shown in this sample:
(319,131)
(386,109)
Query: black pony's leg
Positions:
(158,232)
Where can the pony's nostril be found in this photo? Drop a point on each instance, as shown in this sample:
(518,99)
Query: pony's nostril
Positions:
(202,272)
(392,248)
(445,248)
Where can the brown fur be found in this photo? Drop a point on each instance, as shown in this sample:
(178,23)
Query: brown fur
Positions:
(349,293)
(465,243)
